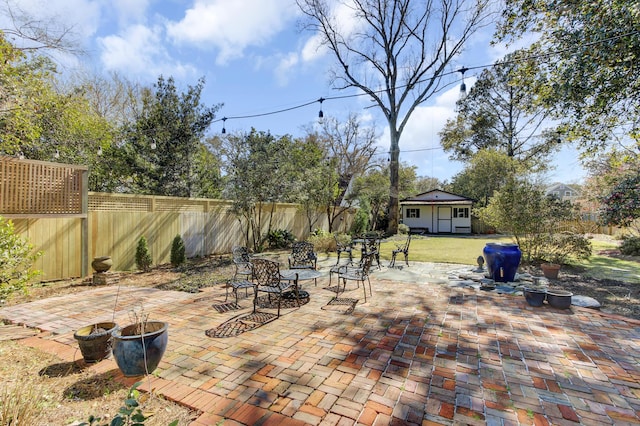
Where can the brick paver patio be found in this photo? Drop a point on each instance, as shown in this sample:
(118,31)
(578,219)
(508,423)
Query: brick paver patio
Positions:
(417,352)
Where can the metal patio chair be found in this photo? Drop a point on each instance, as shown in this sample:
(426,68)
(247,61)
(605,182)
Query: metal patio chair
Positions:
(266,274)
(401,248)
(359,273)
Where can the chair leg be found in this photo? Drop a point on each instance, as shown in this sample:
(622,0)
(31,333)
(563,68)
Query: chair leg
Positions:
(393,260)
(406,258)
(338,261)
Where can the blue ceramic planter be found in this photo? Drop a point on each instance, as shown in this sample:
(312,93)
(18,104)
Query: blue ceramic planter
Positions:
(503,260)
(130,351)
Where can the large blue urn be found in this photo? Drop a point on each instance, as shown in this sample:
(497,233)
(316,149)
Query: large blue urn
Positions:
(502,260)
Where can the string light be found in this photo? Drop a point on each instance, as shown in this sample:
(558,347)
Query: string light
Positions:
(56,155)
(153,144)
(463,87)
(462,70)
(99,151)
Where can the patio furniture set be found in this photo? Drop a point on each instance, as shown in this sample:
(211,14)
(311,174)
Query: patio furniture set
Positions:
(265,276)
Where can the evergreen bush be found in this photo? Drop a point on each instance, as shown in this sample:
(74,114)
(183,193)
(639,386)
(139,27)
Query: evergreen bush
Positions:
(177,251)
(143,256)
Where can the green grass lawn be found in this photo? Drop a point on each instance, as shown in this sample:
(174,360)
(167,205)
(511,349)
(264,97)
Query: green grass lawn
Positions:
(466,249)
(442,249)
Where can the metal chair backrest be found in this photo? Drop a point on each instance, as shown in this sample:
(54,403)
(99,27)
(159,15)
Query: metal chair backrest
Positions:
(405,248)
(240,255)
(302,253)
(266,272)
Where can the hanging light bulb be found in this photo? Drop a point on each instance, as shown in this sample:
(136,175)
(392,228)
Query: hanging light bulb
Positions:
(21,155)
(321,114)
(224,120)
(99,151)
(56,155)
(153,144)
(463,86)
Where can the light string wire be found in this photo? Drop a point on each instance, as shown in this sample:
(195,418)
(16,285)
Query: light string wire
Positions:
(380,91)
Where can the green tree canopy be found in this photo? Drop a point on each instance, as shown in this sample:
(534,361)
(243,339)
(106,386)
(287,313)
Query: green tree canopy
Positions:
(588,73)
(161,148)
(500,113)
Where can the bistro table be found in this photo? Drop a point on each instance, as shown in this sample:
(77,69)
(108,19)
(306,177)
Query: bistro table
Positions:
(297,275)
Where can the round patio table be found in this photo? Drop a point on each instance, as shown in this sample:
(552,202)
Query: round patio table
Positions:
(303,274)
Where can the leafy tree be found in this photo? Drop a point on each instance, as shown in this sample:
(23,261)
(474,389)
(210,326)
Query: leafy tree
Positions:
(161,146)
(499,113)
(372,190)
(588,70)
(397,52)
(16,260)
(622,205)
(487,172)
(522,209)
(258,168)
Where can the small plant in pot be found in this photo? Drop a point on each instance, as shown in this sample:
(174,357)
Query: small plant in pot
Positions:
(95,341)
(139,347)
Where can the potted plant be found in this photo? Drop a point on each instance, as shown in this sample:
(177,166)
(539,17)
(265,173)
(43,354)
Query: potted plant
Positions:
(95,341)
(139,347)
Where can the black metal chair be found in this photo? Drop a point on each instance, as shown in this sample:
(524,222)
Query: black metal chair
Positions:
(372,246)
(235,285)
(242,262)
(404,249)
(302,256)
(266,274)
(359,273)
(344,246)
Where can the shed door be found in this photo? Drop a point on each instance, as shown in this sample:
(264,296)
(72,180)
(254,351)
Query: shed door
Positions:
(444,219)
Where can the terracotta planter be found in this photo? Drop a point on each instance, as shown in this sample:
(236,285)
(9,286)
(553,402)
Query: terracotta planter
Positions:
(102,263)
(550,270)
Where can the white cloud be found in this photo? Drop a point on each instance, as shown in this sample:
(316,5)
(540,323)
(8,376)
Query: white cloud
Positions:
(130,12)
(138,50)
(420,143)
(283,70)
(232,26)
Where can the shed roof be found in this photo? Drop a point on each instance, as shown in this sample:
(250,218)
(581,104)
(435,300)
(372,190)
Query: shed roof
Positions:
(437,196)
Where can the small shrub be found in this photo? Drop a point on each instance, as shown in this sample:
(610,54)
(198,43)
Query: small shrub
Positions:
(559,247)
(280,238)
(322,242)
(16,259)
(403,229)
(630,246)
(143,256)
(178,256)
(129,414)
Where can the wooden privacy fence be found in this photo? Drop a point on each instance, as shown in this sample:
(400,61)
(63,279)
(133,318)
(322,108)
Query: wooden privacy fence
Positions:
(49,205)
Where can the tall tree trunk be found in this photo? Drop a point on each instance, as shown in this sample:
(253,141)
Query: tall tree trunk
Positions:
(394,178)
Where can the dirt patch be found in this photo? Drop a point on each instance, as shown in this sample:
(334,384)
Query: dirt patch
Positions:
(52,392)
(615,296)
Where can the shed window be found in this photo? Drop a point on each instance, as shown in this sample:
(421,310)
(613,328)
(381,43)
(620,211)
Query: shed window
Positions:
(415,213)
(461,212)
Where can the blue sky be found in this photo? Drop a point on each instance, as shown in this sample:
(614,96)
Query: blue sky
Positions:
(255,60)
